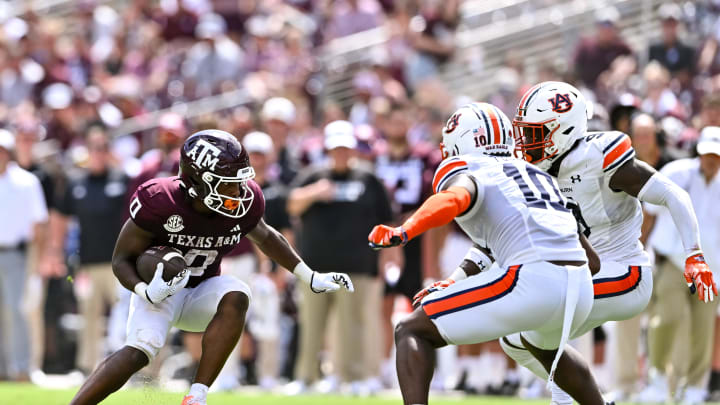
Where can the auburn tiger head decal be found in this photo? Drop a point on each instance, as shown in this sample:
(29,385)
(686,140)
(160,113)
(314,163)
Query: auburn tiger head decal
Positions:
(561,103)
(452,123)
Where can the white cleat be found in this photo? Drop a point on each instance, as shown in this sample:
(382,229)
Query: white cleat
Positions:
(694,396)
(190,400)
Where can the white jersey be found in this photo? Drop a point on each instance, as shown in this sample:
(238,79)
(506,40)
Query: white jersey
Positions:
(611,218)
(519,212)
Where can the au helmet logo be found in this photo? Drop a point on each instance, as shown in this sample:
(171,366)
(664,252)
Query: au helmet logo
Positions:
(561,103)
(174,224)
(205,154)
(452,123)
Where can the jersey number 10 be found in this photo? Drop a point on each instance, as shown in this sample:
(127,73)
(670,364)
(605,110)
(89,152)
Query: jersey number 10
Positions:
(542,194)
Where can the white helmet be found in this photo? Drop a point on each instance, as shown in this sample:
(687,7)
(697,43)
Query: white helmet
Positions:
(550,117)
(477,127)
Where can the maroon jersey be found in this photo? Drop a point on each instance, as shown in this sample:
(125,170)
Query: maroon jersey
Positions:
(162,207)
(409,180)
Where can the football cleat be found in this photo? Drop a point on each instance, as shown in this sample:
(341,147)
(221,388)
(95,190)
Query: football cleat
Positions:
(190,400)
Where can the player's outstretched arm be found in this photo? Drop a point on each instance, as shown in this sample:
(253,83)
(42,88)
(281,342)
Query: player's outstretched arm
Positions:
(642,181)
(456,198)
(275,246)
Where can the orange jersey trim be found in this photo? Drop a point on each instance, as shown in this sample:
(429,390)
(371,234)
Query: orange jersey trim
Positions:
(443,171)
(473,297)
(618,151)
(614,286)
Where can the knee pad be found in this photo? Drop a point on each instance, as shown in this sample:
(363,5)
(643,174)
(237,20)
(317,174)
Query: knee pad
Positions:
(513,347)
(147,341)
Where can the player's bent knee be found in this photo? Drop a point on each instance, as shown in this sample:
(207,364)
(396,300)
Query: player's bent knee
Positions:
(418,325)
(235,301)
(147,343)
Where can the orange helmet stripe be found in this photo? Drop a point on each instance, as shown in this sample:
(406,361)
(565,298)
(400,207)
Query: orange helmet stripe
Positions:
(522,106)
(494,121)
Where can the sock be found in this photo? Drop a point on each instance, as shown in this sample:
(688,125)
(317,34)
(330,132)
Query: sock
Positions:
(714,381)
(199,391)
(559,396)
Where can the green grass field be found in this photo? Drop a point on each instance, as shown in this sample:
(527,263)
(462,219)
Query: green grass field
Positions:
(26,394)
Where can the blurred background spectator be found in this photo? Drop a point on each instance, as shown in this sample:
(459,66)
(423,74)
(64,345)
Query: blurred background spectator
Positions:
(96,196)
(24,217)
(336,206)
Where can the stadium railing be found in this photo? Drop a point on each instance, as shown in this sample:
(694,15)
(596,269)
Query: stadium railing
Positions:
(536,32)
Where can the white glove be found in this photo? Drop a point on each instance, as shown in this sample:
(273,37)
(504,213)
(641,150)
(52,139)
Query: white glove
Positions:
(323,282)
(158,289)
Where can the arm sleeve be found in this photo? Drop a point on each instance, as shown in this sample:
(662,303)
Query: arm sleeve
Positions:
(439,210)
(660,190)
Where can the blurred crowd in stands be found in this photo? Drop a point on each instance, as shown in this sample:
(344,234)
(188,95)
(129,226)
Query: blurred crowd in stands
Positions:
(68,82)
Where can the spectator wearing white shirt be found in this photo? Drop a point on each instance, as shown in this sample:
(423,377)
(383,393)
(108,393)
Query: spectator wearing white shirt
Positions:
(23,215)
(680,336)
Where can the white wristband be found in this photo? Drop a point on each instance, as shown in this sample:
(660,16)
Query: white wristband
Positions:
(303,272)
(478,257)
(140,289)
(458,274)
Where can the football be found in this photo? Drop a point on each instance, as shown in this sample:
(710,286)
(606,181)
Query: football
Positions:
(172,259)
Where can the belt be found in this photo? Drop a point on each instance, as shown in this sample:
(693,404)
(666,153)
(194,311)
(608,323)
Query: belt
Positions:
(19,247)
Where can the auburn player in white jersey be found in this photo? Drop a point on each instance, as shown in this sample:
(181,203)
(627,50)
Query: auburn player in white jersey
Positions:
(543,285)
(599,175)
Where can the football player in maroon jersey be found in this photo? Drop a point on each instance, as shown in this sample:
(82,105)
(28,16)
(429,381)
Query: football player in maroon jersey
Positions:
(203,212)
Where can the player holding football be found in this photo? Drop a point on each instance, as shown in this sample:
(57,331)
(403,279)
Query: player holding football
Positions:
(543,286)
(203,212)
(598,172)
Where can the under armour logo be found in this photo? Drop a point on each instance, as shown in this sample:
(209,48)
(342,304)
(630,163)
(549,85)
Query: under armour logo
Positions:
(481,265)
(575,179)
(205,154)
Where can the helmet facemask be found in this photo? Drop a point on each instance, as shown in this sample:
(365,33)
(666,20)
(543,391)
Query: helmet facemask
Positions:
(533,140)
(229,196)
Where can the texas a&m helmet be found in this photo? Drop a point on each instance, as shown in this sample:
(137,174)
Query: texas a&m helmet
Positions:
(212,162)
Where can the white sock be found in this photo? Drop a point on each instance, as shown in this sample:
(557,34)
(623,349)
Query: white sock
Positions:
(199,391)
(559,396)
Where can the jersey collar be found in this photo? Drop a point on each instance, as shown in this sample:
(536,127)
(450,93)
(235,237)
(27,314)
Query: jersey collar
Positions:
(555,167)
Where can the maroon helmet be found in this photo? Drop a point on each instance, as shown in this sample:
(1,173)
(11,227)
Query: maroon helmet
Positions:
(215,168)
